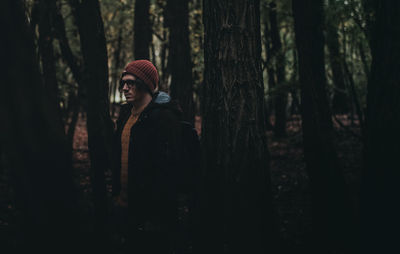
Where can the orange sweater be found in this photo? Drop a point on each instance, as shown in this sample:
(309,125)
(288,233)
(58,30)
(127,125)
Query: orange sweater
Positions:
(125,137)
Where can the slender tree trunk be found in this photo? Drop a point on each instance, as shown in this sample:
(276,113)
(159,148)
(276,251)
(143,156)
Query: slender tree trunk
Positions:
(270,72)
(332,220)
(142,34)
(46,9)
(35,143)
(238,214)
(76,69)
(179,57)
(379,206)
(280,98)
(74,109)
(366,64)
(164,69)
(117,64)
(99,123)
(354,95)
(295,105)
(369,16)
(340,102)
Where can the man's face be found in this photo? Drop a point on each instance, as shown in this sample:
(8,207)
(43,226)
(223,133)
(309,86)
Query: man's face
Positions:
(132,94)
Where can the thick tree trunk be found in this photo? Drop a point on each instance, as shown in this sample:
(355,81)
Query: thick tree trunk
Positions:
(238,214)
(179,56)
(379,203)
(280,98)
(34,142)
(142,32)
(99,123)
(332,218)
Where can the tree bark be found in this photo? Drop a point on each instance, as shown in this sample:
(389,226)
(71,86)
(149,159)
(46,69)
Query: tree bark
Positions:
(179,56)
(332,216)
(99,124)
(295,105)
(340,101)
(238,214)
(117,64)
(270,72)
(164,70)
(76,69)
(35,143)
(366,64)
(46,50)
(280,98)
(379,207)
(142,33)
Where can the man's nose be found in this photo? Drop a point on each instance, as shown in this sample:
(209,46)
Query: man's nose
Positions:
(125,87)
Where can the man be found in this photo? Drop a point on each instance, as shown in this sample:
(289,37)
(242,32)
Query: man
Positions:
(146,171)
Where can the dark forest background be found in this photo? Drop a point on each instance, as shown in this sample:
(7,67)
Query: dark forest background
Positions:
(296,103)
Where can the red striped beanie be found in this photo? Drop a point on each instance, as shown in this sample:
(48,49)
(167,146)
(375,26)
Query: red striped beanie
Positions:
(144,70)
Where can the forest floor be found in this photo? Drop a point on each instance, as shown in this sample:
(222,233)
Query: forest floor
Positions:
(290,183)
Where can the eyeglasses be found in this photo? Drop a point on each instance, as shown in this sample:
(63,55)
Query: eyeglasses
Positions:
(130,83)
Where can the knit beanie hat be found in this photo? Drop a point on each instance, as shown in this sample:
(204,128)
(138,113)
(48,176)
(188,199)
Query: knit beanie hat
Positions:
(144,70)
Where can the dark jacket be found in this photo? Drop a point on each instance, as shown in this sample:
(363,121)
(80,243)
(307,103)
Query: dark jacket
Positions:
(153,162)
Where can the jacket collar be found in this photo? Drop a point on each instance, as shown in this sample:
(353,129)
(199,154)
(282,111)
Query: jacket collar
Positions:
(160,100)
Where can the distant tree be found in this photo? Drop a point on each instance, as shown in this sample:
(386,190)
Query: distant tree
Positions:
(142,32)
(73,62)
(332,216)
(340,101)
(179,58)
(280,97)
(237,214)
(269,67)
(379,206)
(45,10)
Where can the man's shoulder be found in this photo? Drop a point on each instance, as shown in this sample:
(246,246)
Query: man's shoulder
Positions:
(166,111)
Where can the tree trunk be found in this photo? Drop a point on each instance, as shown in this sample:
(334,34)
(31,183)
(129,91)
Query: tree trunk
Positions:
(369,17)
(164,70)
(99,123)
(270,72)
(46,9)
(117,64)
(35,144)
(366,64)
(354,96)
(379,206)
(142,33)
(238,214)
(295,105)
(179,56)
(76,69)
(340,101)
(332,220)
(280,98)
